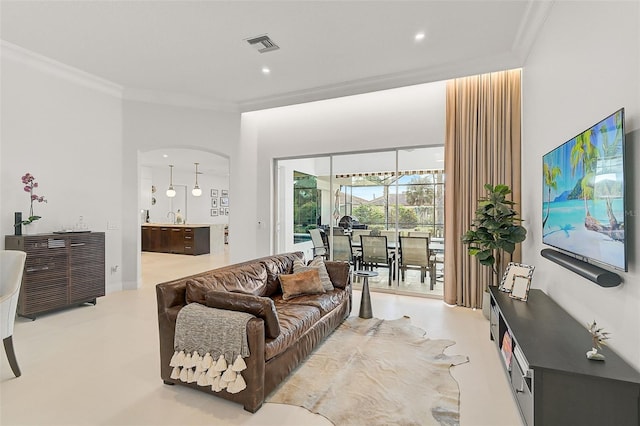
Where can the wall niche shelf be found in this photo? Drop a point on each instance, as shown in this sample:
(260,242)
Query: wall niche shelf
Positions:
(600,276)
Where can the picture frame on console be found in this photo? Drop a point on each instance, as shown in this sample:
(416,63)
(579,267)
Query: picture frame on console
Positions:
(512,270)
(520,287)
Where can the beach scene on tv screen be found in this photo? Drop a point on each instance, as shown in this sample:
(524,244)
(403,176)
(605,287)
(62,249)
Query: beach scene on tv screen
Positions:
(583,194)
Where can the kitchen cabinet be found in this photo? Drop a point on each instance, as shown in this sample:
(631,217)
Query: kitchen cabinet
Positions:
(176,239)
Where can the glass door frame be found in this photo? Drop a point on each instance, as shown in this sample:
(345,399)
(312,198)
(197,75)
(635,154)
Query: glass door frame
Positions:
(278,240)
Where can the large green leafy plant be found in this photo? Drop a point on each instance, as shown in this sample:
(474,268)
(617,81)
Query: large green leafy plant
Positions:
(495,229)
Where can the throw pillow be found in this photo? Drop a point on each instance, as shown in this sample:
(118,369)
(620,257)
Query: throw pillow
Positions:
(316,263)
(306,282)
(261,307)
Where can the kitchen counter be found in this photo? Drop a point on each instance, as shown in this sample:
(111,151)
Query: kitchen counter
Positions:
(190,239)
(182,225)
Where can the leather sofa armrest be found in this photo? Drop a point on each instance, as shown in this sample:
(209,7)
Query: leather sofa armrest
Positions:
(171,294)
(253,396)
(170,298)
(339,273)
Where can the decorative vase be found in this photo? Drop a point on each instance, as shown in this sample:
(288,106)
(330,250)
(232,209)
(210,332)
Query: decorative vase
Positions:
(31,229)
(486,304)
(594,355)
(17,227)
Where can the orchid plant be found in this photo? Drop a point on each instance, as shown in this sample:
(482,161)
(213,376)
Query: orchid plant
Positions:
(30,184)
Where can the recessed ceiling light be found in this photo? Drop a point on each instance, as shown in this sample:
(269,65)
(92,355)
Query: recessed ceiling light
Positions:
(164,155)
(266,70)
(419,36)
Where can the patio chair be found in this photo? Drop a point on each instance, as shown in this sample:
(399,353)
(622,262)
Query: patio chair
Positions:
(415,254)
(391,235)
(419,234)
(319,246)
(375,253)
(343,251)
(338,230)
(355,234)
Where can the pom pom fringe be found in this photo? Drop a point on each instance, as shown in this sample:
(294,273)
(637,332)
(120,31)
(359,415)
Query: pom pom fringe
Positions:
(203,370)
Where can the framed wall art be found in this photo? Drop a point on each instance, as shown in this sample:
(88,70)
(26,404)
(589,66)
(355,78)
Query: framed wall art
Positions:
(214,193)
(214,212)
(224,201)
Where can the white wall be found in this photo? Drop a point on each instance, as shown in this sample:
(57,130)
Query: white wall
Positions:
(584,66)
(66,129)
(148,126)
(409,116)
(198,208)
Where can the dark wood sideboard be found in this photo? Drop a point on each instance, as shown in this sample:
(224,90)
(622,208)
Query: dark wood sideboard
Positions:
(552,380)
(61,270)
(177,239)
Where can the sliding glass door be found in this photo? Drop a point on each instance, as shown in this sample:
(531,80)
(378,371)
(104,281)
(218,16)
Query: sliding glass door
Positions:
(393,194)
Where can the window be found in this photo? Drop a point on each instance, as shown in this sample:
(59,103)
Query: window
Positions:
(306,202)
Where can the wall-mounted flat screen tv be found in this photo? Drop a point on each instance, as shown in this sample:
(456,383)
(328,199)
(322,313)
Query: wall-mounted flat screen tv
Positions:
(583,200)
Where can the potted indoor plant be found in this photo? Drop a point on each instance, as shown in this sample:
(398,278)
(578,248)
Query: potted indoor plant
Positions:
(495,229)
(29,182)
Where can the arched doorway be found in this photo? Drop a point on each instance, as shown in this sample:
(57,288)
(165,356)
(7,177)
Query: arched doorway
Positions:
(210,208)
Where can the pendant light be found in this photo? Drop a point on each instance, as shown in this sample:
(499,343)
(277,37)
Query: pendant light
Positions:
(196,191)
(171,192)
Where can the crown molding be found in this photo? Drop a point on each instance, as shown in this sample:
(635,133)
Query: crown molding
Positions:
(532,21)
(179,100)
(472,66)
(52,67)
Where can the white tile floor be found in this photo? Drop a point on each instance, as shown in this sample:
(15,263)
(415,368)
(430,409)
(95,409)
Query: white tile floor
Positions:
(99,365)
(410,286)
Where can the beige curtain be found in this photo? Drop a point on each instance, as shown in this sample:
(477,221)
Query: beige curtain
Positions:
(482,145)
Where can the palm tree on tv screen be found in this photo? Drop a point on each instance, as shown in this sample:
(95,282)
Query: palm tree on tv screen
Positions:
(584,155)
(550,175)
(610,189)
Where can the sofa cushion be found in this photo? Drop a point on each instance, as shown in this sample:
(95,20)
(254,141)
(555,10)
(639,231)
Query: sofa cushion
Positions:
(276,265)
(248,278)
(301,283)
(295,320)
(316,263)
(261,307)
(324,302)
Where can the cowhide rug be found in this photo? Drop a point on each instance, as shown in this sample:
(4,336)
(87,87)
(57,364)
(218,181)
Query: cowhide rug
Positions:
(377,372)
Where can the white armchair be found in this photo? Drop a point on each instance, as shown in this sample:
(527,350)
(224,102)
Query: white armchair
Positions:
(11,270)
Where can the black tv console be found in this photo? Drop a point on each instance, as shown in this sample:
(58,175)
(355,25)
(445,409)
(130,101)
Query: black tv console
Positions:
(552,380)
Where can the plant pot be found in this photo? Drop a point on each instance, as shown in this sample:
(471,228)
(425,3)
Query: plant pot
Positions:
(31,229)
(486,304)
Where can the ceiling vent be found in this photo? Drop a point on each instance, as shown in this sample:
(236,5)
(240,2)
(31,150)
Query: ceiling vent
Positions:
(262,44)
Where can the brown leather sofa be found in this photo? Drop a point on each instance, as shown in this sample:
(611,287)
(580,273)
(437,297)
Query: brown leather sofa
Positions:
(301,323)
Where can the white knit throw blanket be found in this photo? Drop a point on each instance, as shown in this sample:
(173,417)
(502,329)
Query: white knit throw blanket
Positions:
(210,345)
